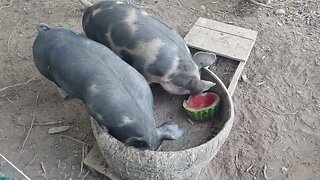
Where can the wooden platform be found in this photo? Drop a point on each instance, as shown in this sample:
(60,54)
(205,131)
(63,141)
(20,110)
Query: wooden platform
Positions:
(224,40)
(207,35)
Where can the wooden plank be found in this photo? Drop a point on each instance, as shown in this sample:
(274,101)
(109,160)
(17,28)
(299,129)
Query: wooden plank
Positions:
(223,44)
(225,40)
(235,78)
(95,160)
(227,28)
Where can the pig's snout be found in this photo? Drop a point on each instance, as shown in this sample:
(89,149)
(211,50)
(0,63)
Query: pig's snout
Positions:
(138,142)
(201,86)
(167,131)
(187,86)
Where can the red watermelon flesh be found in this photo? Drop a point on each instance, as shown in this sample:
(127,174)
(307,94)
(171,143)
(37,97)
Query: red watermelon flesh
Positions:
(201,101)
(203,106)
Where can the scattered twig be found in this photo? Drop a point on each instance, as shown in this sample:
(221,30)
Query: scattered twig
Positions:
(75,139)
(159,148)
(271,110)
(85,175)
(50,173)
(43,168)
(294,35)
(190,121)
(56,130)
(47,124)
(20,84)
(9,100)
(10,4)
(265,172)
(34,157)
(289,113)
(230,22)
(220,12)
(259,4)
(249,168)
(312,127)
(305,82)
(31,125)
(81,166)
(293,113)
(236,159)
(277,140)
(14,30)
(15,167)
(141,4)
(192,8)
(58,165)
(72,11)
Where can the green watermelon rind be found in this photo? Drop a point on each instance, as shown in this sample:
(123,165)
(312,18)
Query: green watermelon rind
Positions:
(204,113)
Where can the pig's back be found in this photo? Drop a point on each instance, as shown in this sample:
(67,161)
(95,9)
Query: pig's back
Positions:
(118,19)
(78,63)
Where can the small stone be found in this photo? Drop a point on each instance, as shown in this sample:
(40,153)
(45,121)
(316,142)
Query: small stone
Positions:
(280,12)
(203,7)
(279,24)
(284,169)
(245,78)
(55,130)
(260,83)
(267,1)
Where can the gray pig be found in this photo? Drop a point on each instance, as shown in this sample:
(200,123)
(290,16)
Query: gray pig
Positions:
(154,49)
(114,93)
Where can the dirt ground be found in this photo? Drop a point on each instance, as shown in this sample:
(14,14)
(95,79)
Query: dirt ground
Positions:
(276,134)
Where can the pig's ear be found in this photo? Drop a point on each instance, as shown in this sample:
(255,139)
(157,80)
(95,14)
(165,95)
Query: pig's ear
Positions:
(138,142)
(205,85)
(170,131)
(204,59)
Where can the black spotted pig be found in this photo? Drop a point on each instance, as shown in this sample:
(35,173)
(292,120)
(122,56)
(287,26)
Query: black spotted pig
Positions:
(154,49)
(114,93)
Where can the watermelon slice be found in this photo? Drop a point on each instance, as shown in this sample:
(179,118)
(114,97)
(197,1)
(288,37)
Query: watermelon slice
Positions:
(203,106)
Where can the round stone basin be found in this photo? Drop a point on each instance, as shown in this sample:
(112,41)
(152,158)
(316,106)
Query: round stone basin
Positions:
(177,159)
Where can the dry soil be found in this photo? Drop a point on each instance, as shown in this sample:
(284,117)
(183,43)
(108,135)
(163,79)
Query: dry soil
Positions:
(276,132)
